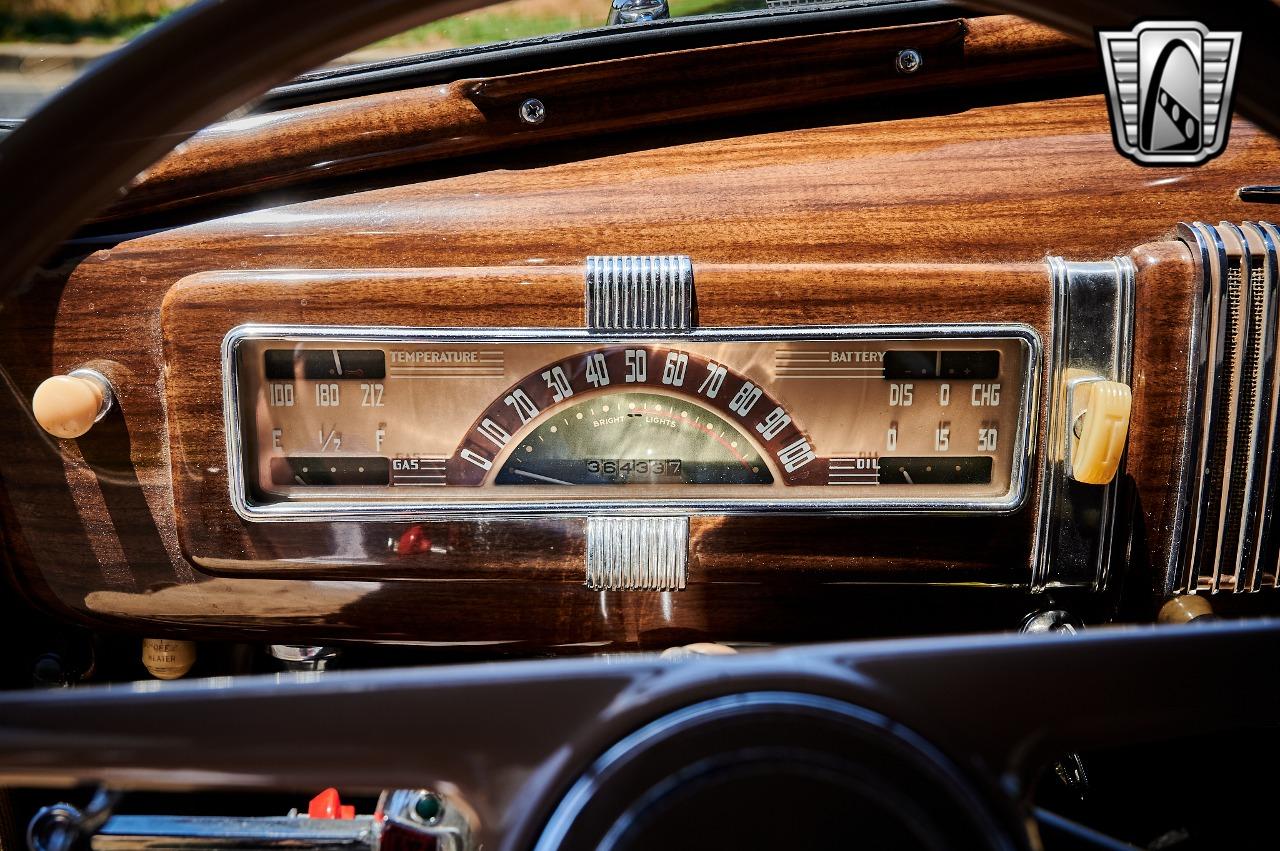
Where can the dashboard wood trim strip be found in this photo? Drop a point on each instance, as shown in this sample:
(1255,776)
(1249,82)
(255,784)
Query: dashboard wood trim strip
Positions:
(304,144)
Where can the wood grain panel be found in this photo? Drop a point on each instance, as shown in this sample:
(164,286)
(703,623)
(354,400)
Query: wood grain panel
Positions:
(92,524)
(200,310)
(1165,292)
(295,146)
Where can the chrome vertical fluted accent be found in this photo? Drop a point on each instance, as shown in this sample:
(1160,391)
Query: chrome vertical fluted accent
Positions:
(637,553)
(639,293)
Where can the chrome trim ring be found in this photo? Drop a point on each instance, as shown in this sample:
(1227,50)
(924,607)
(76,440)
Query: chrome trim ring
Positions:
(298,511)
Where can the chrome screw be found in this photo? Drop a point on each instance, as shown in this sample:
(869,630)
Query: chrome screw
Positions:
(533,111)
(1051,620)
(908,61)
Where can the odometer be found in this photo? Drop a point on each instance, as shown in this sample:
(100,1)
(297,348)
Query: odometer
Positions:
(323,421)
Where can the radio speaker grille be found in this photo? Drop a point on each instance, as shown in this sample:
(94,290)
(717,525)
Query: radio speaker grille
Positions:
(1231,540)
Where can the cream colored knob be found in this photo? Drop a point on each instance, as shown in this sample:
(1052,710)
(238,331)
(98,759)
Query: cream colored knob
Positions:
(168,658)
(1185,609)
(701,648)
(1100,423)
(69,405)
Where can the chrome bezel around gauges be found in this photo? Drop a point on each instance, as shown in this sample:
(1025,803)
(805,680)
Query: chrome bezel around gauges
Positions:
(332,510)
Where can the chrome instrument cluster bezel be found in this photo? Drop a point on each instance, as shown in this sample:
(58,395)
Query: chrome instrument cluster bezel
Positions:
(330,510)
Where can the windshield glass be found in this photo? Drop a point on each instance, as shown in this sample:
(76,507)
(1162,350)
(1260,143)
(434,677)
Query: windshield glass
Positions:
(45,44)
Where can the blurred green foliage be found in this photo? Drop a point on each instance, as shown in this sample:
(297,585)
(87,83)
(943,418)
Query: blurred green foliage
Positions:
(504,24)
(68,21)
(66,29)
(80,20)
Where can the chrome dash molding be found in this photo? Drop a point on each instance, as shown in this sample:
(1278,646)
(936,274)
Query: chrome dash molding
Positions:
(326,510)
(641,294)
(1092,336)
(1260,193)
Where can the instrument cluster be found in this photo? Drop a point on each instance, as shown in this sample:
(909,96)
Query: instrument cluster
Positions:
(331,420)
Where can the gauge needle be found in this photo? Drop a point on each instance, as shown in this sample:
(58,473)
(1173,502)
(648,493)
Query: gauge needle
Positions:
(540,478)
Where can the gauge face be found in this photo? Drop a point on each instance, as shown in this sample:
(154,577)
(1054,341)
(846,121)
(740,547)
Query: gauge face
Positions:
(634,439)
(332,420)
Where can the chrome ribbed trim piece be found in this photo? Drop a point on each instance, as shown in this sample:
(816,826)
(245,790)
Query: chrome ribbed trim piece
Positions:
(1229,542)
(653,293)
(1260,194)
(1092,339)
(1264,532)
(637,553)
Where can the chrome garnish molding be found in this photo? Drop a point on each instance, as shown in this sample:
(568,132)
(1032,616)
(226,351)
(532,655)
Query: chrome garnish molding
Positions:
(299,511)
(637,553)
(1229,538)
(1092,338)
(639,293)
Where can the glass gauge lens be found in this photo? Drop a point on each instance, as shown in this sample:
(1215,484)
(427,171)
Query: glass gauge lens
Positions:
(634,438)
(329,420)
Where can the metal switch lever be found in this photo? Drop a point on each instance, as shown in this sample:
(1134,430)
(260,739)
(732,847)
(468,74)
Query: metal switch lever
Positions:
(1099,412)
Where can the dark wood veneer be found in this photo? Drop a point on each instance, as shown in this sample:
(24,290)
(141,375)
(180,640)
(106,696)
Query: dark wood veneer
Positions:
(471,116)
(1165,300)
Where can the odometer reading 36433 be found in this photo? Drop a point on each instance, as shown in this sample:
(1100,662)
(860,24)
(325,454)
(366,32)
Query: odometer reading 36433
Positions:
(328,420)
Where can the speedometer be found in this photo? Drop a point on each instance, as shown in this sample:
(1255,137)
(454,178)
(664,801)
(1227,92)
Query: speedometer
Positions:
(347,421)
(634,438)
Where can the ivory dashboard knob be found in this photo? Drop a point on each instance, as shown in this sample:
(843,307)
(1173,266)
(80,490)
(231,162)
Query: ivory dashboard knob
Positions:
(69,405)
(1185,609)
(168,658)
(700,648)
(1100,417)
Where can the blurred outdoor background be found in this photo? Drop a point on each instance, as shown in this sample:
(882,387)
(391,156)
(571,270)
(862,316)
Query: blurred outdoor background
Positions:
(45,43)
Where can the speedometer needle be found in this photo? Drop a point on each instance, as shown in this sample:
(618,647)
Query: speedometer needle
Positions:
(540,477)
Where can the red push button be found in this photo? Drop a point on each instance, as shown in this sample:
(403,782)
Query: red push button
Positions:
(329,805)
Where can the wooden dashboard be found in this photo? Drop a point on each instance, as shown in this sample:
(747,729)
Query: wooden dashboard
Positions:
(824,192)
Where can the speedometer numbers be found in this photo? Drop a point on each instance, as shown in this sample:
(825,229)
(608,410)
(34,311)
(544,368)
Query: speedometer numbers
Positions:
(756,419)
(696,407)
(634,438)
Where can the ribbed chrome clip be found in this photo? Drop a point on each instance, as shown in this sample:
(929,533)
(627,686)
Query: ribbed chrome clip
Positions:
(651,293)
(637,553)
(1092,339)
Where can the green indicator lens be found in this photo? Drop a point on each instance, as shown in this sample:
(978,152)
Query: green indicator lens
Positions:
(634,439)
